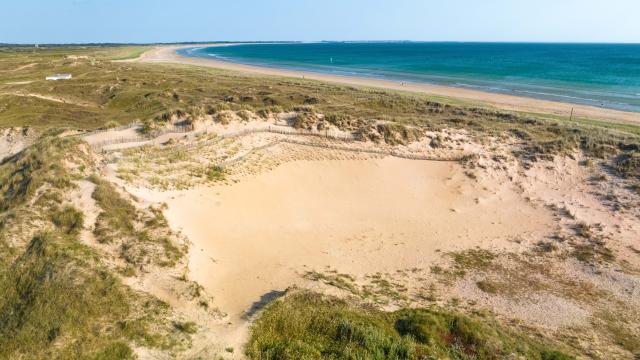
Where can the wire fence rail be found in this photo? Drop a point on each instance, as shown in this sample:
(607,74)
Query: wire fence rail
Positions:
(140,138)
(394,153)
(383,152)
(148,139)
(113,129)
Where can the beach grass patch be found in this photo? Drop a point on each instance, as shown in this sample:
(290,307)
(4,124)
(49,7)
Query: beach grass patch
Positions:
(306,325)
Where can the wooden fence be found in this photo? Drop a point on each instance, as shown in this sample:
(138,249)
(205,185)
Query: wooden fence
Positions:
(275,129)
(145,139)
(100,131)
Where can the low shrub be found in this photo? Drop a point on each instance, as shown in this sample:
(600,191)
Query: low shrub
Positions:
(112,124)
(215,173)
(69,219)
(307,325)
(223,118)
(188,327)
(627,165)
(245,115)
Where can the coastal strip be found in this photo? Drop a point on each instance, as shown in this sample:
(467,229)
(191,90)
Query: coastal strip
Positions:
(168,54)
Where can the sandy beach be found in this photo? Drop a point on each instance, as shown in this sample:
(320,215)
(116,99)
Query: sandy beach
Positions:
(505,102)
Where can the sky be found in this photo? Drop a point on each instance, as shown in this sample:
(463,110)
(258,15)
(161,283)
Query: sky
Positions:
(143,21)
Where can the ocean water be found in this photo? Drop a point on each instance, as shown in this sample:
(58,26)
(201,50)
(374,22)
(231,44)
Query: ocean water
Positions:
(603,75)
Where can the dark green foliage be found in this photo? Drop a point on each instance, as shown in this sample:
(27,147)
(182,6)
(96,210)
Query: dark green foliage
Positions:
(445,334)
(305,325)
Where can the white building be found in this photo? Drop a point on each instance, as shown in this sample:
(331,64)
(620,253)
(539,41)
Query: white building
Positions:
(59,77)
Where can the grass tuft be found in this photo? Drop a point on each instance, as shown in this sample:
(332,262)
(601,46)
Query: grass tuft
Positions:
(69,219)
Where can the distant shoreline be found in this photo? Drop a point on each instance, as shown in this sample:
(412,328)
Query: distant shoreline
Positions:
(169,54)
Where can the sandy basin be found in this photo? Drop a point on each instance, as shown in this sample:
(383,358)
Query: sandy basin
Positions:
(355,216)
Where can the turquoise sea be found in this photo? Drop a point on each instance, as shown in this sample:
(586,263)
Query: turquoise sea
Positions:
(604,75)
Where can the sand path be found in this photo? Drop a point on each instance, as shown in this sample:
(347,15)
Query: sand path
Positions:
(506,102)
(50,98)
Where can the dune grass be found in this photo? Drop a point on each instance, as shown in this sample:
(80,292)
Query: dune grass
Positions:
(22,174)
(143,238)
(69,219)
(306,325)
(59,300)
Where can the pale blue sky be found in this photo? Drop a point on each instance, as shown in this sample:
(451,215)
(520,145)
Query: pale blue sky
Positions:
(64,21)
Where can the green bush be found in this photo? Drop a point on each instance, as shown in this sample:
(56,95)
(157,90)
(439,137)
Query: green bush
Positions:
(306,325)
(118,223)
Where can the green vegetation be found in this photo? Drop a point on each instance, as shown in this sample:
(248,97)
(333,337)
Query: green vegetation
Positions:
(115,351)
(44,313)
(118,215)
(305,325)
(463,261)
(628,165)
(188,327)
(24,173)
(333,278)
(618,329)
(142,238)
(215,173)
(487,286)
(69,219)
(59,301)
(127,52)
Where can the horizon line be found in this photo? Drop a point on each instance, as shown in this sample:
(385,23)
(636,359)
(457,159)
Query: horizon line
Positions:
(5,44)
